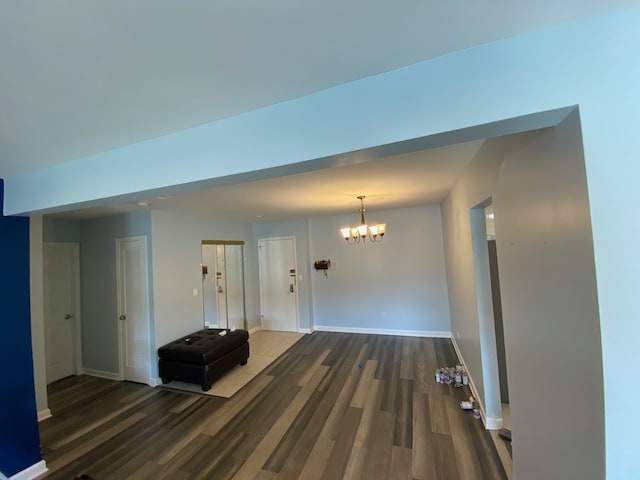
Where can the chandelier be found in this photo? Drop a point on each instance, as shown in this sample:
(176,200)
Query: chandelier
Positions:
(353,235)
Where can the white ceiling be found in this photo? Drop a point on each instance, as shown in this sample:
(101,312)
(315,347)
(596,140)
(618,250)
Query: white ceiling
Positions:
(82,76)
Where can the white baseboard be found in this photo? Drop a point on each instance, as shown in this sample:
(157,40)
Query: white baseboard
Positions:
(44,414)
(254,330)
(102,374)
(304,330)
(383,331)
(490,423)
(154,382)
(34,471)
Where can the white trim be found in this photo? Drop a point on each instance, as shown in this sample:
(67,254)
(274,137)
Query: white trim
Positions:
(254,330)
(102,374)
(44,414)
(490,423)
(304,330)
(30,473)
(383,331)
(155,381)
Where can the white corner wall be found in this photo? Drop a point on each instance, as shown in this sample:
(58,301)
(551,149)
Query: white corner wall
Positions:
(550,307)
(37,315)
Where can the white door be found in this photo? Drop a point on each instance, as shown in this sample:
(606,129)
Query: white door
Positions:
(60,271)
(278,286)
(133,308)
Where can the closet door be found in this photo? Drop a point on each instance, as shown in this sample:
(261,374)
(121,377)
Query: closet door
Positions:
(223,283)
(133,309)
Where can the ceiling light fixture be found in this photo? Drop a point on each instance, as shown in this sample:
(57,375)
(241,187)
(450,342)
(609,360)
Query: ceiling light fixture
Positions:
(353,235)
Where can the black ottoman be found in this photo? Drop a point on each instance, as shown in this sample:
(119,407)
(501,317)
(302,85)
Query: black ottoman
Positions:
(203,356)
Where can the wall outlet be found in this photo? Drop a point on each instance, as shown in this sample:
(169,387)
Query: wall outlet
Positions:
(195,292)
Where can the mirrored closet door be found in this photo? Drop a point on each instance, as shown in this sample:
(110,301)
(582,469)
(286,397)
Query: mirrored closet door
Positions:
(223,284)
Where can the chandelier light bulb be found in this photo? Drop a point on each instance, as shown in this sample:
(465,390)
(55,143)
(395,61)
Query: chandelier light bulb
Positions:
(354,235)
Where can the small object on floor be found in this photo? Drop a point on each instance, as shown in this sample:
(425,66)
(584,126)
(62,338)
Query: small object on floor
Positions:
(465,405)
(505,433)
(476,413)
(360,365)
(222,333)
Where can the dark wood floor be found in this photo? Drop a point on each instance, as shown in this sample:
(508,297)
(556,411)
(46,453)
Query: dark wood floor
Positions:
(313,414)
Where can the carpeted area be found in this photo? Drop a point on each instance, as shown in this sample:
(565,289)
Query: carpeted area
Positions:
(265,347)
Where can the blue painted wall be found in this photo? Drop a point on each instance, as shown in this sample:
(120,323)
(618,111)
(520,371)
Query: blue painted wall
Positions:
(19,437)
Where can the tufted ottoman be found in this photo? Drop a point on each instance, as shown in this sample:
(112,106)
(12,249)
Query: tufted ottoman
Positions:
(203,356)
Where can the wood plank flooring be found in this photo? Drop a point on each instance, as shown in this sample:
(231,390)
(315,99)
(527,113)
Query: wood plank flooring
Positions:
(313,415)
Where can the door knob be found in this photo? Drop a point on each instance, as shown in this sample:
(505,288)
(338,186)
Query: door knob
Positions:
(122,317)
(67,316)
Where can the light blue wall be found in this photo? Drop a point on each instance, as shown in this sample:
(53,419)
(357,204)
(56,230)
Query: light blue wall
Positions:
(398,284)
(177,273)
(98,285)
(299,229)
(591,63)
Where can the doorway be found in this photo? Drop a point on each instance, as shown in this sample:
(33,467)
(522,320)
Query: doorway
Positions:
(496,301)
(133,309)
(61,263)
(223,284)
(278,285)
(492,344)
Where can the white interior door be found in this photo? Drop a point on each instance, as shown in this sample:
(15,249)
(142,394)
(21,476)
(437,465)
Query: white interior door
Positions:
(278,286)
(133,308)
(60,273)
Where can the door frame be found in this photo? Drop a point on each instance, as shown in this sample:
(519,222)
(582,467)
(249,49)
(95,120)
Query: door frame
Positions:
(77,323)
(295,266)
(490,405)
(143,238)
(205,291)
